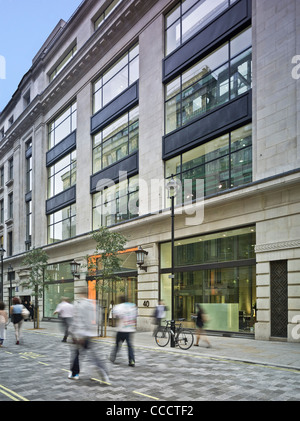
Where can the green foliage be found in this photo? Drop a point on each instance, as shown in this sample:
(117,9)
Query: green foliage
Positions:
(108,245)
(106,262)
(36,262)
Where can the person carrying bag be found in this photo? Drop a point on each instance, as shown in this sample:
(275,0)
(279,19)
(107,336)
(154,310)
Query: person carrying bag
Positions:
(16,317)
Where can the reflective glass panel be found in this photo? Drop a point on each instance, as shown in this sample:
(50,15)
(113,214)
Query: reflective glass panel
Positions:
(62,126)
(173,113)
(199,15)
(116,141)
(241,42)
(116,79)
(226,294)
(189,17)
(115,86)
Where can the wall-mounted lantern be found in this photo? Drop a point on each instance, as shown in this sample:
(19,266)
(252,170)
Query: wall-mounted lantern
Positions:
(75,269)
(140,255)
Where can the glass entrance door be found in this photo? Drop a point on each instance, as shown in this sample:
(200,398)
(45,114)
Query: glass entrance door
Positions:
(110,294)
(126,286)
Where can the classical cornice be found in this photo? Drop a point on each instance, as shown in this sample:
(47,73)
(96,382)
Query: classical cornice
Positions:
(282,245)
(127,15)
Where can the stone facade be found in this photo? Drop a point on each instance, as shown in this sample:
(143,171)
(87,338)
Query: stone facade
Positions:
(271,202)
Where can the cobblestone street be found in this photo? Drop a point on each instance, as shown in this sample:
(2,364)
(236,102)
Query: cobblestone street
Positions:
(37,370)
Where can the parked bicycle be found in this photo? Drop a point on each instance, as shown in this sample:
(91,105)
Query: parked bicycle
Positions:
(183,337)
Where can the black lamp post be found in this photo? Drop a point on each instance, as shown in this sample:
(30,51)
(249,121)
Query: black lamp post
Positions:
(172,191)
(2,251)
(10,271)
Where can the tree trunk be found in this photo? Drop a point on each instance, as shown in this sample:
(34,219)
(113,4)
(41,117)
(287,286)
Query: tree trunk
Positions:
(36,310)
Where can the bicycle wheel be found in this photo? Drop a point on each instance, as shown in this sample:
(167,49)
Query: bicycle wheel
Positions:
(185,339)
(162,336)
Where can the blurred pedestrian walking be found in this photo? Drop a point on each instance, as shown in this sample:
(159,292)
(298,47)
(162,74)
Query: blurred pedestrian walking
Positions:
(83,328)
(3,323)
(110,314)
(65,312)
(26,305)
(126,314)
(158,315)
(31,311)
(16,317)
(200,321)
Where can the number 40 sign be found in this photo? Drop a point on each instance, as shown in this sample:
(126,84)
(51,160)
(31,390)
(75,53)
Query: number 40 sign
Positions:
(296,329)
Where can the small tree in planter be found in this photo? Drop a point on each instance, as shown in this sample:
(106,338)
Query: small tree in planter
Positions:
(36,262)
(108,245)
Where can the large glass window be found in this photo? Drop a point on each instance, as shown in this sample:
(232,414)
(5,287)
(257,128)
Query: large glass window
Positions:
(62,125)
(110,292)
(116,79)
(11,169)
(2,211)
(28,202)
(28,224)
(219,77)
(11,205)
(188,17)
(62,224)
(28,168)
(10,246)
(62,64)
(2,176)
(223,163)
(116,203)
(104,15)
(62,175)
(216,271)
(60,284)
(116,141)
(217,247)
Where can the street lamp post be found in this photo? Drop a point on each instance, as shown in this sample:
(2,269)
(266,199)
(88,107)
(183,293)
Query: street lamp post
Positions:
(172,190)
(10,270)
(2,251)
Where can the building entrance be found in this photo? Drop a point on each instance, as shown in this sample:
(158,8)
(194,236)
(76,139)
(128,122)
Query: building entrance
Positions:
(216,271)
(109,292)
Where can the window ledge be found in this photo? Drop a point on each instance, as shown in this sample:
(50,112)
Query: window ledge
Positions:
(9,182)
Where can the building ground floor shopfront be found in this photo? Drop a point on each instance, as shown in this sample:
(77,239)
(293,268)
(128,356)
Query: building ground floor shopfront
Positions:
(217,272)
(241,263)
(61,284)
(125,286)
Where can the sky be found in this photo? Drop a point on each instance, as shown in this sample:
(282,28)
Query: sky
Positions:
(24,27)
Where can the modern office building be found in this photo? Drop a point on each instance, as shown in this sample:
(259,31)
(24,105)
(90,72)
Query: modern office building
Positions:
(128,95)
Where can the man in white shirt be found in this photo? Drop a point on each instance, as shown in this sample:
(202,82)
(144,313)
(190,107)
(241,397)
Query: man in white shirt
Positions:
(84,327)
(65,313)
(126,313)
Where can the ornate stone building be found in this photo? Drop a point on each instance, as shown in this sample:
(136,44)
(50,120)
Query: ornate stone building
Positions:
(124,97)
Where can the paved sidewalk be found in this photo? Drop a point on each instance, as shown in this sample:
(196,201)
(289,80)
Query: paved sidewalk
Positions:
(272,353)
